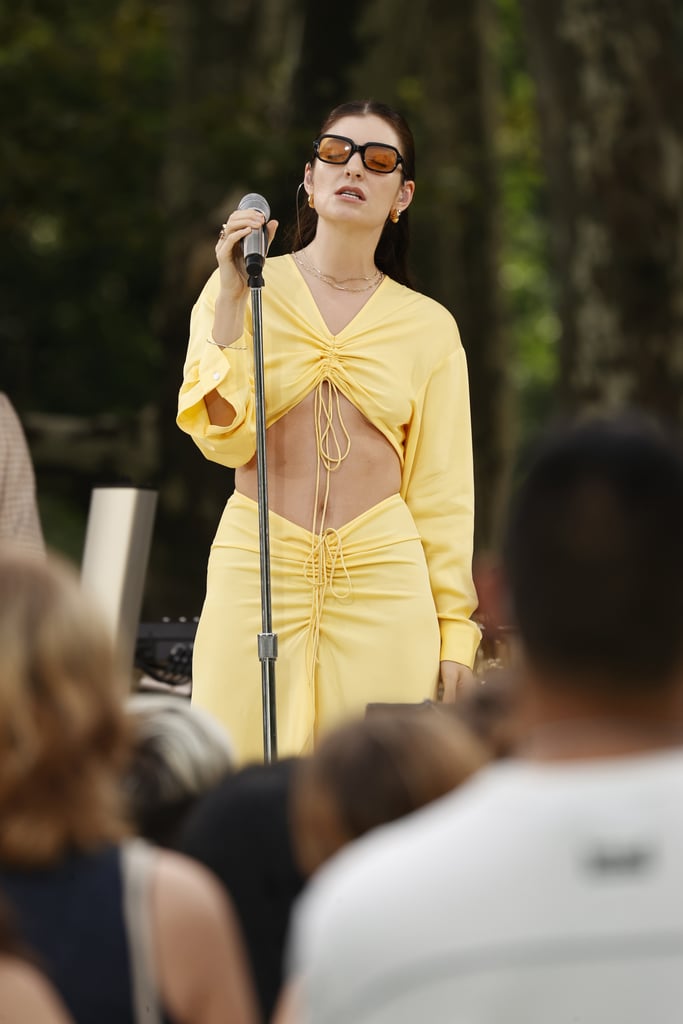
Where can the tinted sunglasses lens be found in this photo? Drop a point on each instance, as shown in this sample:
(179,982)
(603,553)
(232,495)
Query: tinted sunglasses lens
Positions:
(333,151)
(381,158)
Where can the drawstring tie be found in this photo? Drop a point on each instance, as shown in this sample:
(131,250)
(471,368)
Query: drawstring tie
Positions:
(326,556)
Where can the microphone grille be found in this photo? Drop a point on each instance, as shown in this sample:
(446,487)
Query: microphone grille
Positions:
(253,201)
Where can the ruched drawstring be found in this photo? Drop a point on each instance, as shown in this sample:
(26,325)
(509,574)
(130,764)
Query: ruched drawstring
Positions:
(326,558)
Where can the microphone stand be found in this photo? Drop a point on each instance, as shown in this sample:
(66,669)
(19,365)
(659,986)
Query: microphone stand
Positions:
(267,639)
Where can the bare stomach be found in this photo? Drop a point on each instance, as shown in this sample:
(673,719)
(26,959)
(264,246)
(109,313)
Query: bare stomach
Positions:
(369,473)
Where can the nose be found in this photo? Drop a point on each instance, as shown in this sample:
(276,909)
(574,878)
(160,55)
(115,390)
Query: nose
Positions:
(354,166)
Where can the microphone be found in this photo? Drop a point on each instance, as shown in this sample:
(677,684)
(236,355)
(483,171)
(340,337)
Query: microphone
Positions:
(255,244)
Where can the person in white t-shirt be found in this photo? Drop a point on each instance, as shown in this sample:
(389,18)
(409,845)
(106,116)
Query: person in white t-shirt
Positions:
(548,889)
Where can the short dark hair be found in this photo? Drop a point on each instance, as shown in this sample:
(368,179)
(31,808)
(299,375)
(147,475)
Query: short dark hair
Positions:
(593,552)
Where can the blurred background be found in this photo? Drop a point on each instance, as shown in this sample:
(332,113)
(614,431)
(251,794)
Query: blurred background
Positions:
(548,218)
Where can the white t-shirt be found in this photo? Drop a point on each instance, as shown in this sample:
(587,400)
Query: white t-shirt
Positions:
(534,894)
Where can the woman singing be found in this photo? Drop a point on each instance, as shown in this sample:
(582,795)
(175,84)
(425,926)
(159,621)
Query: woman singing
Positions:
(369,455)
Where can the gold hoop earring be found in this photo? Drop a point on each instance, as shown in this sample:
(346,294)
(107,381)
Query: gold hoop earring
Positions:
(311,202)
(394,215)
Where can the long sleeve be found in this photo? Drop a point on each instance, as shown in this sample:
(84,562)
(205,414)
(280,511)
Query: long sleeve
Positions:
(230,371)
(438,488)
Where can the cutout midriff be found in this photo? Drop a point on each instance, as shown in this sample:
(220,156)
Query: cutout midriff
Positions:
(365,475)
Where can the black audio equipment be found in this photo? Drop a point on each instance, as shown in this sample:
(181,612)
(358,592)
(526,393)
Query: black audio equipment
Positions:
(163,650)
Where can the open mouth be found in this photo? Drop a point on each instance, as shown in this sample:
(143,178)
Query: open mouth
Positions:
(351,193)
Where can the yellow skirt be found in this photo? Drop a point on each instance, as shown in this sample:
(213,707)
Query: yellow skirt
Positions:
(358,626)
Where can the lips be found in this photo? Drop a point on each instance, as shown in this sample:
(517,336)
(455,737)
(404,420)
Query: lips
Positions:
(354,193)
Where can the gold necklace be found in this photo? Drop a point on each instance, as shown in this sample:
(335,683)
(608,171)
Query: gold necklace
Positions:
(340,285)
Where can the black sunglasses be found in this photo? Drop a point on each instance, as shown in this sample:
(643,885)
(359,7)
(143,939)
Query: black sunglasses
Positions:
(376,156)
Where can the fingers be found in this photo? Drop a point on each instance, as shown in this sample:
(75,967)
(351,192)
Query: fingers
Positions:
(230,235)
(238,225)
(456,680)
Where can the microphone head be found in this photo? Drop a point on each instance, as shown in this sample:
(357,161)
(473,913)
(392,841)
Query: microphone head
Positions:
(253,201)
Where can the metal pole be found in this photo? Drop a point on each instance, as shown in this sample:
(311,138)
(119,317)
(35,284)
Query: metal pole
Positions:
(267,639)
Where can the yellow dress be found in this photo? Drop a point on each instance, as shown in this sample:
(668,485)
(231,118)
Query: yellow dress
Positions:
(364,613)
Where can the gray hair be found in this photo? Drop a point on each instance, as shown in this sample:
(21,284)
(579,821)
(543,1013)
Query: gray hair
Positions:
(180,751)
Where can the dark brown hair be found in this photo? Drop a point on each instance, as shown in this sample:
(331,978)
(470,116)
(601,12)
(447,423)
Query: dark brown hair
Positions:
(593,554)
(391,255)
(375,770)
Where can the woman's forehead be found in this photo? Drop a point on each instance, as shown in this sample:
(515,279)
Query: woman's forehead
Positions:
(365,128)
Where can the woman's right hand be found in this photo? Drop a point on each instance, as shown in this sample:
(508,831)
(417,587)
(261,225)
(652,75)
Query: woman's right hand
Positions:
(229,251)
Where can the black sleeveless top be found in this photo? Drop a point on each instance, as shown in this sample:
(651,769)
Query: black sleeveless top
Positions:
(70,915)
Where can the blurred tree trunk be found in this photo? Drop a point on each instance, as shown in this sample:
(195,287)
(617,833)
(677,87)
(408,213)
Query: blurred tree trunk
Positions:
(227,56)
(609,81)
(435,62)
(460,124)
(252,80)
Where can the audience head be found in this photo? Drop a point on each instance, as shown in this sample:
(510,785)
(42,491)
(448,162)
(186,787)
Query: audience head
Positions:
(374,770)
(240,830)
(490,709)
(63,732)
(179,752)
(593,557)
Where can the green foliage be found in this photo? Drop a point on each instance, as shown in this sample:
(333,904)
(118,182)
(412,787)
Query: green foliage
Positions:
(88,103)
(83,100)
(129,126)
(526,278)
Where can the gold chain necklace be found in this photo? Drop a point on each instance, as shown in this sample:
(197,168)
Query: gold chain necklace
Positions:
(335,282)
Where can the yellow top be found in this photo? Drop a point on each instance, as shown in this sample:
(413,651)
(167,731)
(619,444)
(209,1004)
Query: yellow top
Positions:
(401,363)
